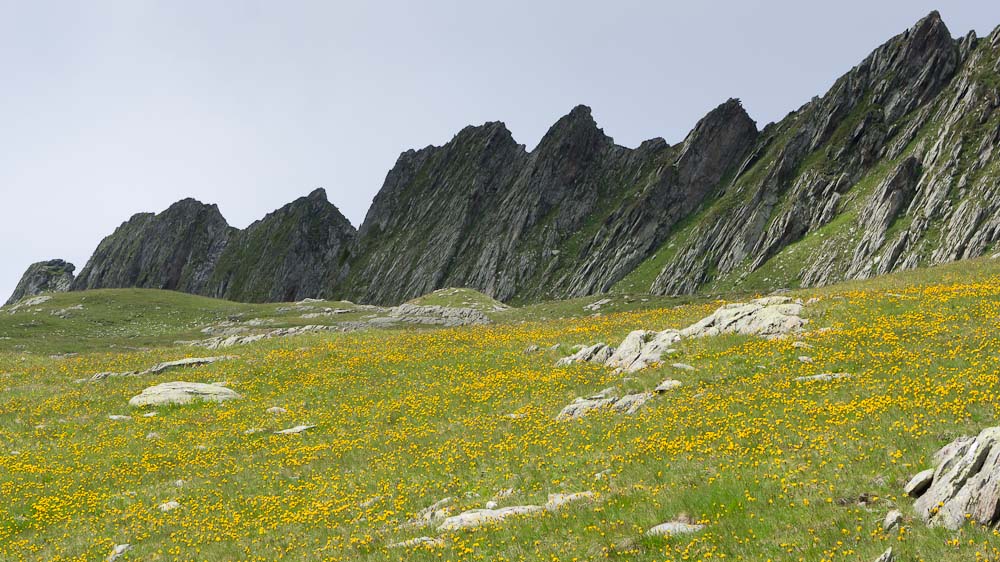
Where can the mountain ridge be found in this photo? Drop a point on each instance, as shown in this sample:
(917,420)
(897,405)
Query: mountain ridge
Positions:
(894,166)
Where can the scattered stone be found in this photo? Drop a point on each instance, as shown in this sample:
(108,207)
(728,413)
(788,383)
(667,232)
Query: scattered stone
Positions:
(597,353)
(682,366)
(582,406)
(503,494)
(672,528)
(666,386)
(149,415)
(491,504)
(419,541)
(919,483)
(966,483)
(152,435)
(369,502)
(178,483)
(294,430)
(118,551)
(892,520)
(642,348)
(631,403)
(823,377)
(557,501)
(182,393)
(801,345)
(805,359)
(276,410)
(595,306)
(116,417)
(438,315)
(531,349)
(168,506)
(28,303)
(886,556)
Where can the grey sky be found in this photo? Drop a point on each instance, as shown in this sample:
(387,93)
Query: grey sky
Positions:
(112,108)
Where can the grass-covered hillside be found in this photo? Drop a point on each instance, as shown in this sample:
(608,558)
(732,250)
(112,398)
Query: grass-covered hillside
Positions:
(404,417)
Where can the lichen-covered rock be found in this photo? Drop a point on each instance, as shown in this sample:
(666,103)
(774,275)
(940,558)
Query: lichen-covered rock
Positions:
(180,392)
(642,348)
(474,518)
(295,252)
(966,483)
(52,276)
(597,353)
(769,316)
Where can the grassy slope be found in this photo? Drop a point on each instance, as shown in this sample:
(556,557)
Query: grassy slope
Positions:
(406,417)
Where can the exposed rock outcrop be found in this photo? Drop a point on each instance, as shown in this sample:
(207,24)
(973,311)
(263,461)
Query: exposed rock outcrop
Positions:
(295,252)
(52,276)
(965,485)
(176,249)
(182,393)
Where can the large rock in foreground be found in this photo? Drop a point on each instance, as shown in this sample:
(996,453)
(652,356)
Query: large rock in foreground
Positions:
(768,317)
(182,393)
(966,483)
(52,276)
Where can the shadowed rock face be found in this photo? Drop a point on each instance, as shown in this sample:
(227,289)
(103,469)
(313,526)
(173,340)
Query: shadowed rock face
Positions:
(296,252)
(896,166)
(176,249)
(52,276)
(569,218)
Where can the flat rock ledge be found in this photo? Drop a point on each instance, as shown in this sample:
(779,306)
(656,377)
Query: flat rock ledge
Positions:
(673,528)
(164,367)
(964,485)
(475,518)
(182,393)
(767,317)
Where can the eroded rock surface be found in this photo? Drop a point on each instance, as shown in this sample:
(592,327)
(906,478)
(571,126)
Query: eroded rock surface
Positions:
(180,392)
(966,482)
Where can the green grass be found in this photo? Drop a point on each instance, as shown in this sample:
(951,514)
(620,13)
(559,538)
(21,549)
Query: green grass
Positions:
(406,417)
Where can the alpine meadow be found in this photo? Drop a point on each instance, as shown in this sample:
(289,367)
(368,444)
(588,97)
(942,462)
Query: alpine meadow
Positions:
(758,344)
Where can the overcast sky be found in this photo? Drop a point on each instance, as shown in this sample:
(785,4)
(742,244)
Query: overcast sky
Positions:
(112,108)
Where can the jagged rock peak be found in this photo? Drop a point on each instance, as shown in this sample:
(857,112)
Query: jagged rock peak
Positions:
(727,127)
(51,276)
(573,130)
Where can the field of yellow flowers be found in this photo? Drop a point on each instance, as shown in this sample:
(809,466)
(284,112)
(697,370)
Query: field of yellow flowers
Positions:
(775,469)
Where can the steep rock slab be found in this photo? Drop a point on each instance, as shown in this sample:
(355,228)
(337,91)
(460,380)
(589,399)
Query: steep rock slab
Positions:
(966,481)
(176,249)
(801,167)
(52,276)
(295,252)
(571,217)
(182,393)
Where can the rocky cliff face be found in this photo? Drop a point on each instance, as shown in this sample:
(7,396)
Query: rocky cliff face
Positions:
(894,167)
(296,252)
(176,249)
(897,165)
(52,276)
(569,218)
